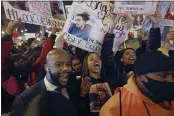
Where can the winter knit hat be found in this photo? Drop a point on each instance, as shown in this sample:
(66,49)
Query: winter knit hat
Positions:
(153,61)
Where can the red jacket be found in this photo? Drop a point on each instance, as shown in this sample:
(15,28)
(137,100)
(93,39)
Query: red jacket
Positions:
(11,85)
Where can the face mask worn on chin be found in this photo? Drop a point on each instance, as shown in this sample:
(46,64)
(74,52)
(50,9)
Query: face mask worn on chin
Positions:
(162,91)
(55,78)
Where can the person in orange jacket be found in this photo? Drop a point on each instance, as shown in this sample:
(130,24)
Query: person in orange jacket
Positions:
(149,92)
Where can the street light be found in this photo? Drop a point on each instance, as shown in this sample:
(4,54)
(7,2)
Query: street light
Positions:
(25,29)
(40,31)
(2,32)
(22,31)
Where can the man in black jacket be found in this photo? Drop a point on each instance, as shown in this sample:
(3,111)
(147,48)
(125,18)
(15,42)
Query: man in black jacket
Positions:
(115,68)
(58,68)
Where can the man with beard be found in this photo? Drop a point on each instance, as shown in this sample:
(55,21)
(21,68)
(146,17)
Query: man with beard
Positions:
(58,68)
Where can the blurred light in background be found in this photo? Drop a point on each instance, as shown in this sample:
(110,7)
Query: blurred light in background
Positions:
(172,13)
(3,32)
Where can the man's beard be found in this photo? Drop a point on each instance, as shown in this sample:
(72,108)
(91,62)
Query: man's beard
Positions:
(55,79)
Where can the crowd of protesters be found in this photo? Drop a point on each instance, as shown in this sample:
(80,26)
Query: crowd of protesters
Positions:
(39,80)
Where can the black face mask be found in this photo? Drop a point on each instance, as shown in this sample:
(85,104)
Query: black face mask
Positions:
(55,79)
(162,91)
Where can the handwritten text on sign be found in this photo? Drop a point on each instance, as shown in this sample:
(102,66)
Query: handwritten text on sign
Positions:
(103,9)
(135,7)
(121,30)
(167,22)
(83,44)
(42,8)
(27,17)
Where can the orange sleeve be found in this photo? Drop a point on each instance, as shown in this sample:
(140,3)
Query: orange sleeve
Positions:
(111,107)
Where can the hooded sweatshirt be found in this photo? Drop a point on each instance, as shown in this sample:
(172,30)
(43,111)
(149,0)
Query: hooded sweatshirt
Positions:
(133,103)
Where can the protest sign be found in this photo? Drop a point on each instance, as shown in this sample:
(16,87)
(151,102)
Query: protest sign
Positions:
(42,8)
(99,94)
(87,24)
(30,35)
(67,10)
(162,8)
(166,22)
(122,26)
(135,7)
(138,22)
(29,17)
(58,11)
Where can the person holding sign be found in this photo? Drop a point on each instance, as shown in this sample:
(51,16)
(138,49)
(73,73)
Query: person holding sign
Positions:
(80,28)
(121,65)
(94,91)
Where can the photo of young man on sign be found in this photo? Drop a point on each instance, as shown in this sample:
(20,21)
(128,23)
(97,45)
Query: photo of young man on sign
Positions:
(138,21)
(80,28)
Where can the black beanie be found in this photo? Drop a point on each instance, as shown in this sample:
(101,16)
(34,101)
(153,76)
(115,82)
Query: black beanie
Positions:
(153,61)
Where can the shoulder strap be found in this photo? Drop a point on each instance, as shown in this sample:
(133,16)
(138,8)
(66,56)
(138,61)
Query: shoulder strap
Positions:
(120,102)
(118,90)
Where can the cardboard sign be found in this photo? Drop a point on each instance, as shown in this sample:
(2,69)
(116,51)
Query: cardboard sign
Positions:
(135,7)
(99,94)
(29,17)
(122,26)
(87,24)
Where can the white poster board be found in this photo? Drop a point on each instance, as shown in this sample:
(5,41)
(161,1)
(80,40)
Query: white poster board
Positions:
(166,22)
(68,10)
(42,8)
(87,24)
(30,17)
(123,25)
(135,7)
(30,35)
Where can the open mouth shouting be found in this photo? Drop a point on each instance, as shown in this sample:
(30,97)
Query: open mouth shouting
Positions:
(64,78)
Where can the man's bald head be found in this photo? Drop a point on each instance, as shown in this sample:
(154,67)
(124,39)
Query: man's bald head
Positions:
(58,67)
(55,52)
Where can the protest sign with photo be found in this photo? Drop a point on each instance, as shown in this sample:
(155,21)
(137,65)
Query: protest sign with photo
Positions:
(122,26)
(57,9)
(14,10)
(135,7)
(162,8)
(99,94)
(87,24)
(138,21)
